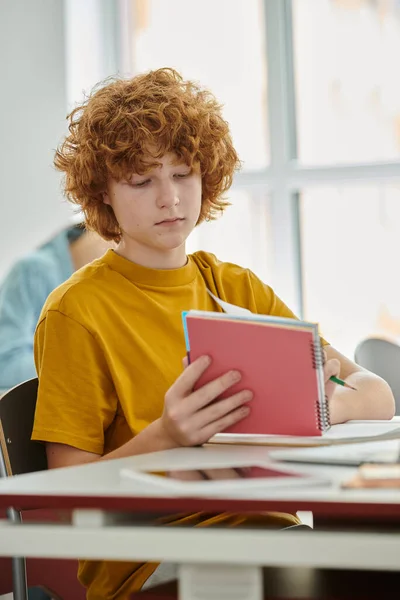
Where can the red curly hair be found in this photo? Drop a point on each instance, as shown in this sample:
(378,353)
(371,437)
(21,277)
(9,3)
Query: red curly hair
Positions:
(111,132)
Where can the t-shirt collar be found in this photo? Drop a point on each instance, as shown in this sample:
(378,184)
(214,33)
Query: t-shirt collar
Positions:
(154,277)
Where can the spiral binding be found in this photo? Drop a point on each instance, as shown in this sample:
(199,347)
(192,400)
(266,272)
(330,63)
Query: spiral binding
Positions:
(318,361)
(323,418)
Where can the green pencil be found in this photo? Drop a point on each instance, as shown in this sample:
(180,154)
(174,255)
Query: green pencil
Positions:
(341,382)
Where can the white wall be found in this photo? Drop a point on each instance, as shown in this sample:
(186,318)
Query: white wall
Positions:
(32,121)
(91,45)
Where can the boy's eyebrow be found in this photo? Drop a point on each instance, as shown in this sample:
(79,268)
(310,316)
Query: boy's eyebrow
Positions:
(159,166)
(146,171)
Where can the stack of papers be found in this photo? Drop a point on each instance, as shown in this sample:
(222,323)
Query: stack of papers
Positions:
(382,452)
(345,433)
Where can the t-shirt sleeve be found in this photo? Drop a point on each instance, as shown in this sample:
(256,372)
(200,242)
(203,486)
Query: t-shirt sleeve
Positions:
(76,397)
(268,303)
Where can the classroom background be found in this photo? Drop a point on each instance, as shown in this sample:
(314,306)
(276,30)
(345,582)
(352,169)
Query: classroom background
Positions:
(311,90)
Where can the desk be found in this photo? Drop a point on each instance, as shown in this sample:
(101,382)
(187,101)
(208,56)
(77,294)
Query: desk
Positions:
(104,527)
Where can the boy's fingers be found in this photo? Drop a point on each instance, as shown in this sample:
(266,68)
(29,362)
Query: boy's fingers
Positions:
(185,383)
(331,368)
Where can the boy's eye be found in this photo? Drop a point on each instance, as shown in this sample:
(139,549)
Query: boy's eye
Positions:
(182,175)
(140,183)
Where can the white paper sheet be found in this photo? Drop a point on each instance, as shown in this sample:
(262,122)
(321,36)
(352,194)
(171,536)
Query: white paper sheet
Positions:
(347,454)
(345,433)
(230,309)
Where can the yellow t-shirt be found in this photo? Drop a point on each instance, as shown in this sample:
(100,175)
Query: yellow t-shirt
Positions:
(108,345)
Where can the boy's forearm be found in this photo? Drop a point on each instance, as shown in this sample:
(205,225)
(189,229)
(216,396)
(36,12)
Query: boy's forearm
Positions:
(151,439)
(373,399)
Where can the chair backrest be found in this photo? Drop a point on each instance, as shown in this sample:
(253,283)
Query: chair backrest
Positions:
(383,358)
(18,453)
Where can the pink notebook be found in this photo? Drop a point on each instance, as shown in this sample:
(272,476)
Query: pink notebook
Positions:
(280,361)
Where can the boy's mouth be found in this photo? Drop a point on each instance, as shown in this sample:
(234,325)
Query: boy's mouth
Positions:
(170,221)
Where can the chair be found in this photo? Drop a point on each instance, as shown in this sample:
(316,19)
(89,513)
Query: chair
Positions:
(18,455)
(382,358)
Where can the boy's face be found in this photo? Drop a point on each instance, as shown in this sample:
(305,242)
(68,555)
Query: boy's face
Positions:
(156,211)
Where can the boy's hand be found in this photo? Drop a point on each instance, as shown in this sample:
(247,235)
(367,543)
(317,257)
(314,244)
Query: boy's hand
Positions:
(331,368)
(191,418)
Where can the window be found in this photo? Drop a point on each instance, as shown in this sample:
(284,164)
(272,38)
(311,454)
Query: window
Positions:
(347,92)
(348,124)
(242,235)
(350,253)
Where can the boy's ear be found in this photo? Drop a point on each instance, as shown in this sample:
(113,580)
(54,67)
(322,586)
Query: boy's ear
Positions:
(106,198)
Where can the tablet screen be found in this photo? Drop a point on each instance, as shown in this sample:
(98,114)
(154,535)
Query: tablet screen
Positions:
(224,473)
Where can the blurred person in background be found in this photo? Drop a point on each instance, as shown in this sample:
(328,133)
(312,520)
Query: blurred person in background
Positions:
(25,289)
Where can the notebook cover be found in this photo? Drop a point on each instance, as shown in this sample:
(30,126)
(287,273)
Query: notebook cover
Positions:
(276,363)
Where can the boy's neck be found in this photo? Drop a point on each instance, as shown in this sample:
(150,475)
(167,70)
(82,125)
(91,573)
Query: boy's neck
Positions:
(152,258)
(87,248)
